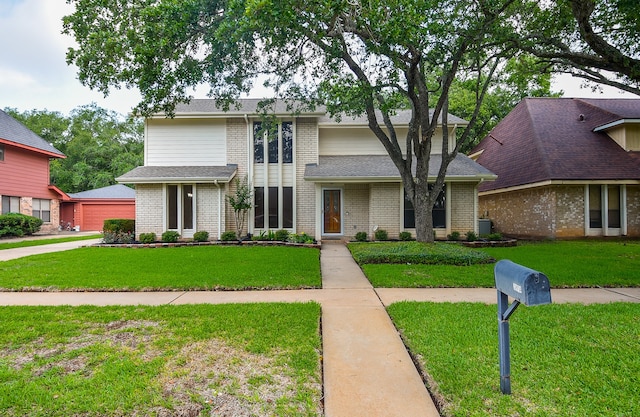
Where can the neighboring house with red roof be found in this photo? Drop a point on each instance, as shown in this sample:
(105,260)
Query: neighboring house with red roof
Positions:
(566,168)
(309,174)
(24,174)
(87,210)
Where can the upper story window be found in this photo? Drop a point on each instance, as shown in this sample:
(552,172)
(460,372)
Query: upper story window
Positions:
(278,141)
(1,152)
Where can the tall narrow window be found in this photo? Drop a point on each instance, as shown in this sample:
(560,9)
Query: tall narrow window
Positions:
(438,214)
(287,207)
(595,206)
(172,206)
(1,152)
(258,143)
(287,143)
(272,146)
(187,206)
(258,195)
(613,206)
(273,208)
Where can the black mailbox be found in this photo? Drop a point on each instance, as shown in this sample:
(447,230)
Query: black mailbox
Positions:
(527,286)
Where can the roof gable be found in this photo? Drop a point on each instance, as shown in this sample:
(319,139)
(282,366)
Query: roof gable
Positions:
(14,132)
(553,139)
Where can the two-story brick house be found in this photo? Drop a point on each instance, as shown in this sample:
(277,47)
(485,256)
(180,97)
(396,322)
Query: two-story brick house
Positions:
(24,174)
(308,173)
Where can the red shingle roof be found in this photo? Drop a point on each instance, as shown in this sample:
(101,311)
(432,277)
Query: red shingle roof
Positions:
(553,139)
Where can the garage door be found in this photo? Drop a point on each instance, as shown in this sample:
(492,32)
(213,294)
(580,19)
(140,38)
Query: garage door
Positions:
(93,216)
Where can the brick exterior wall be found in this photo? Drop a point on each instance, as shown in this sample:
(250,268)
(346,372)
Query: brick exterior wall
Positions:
(633,210)
(555,211)
(384,208)
(207,209)
(306,148)
(237,153)
(462,204)
(356,210)
(149,209)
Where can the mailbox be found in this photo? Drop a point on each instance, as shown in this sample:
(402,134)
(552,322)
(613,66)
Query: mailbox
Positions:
(527,286)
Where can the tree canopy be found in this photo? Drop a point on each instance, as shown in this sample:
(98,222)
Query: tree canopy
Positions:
(100,145)
(354,57)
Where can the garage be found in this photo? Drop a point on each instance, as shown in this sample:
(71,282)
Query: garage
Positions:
(87,210)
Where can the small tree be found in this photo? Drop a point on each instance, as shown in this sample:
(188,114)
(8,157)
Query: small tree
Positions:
(241,203)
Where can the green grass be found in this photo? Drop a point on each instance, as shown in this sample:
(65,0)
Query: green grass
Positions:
(572,264)
(416,253)
(566,360)
(39,242)
(62,361)
(178,268)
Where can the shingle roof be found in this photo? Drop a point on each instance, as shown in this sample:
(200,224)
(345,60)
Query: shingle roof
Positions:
(545,139)
(13,131)
(180,174)
(381,168)
(249,107)
(110,192)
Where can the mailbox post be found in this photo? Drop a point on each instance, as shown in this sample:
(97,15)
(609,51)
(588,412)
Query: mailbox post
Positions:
(525,286)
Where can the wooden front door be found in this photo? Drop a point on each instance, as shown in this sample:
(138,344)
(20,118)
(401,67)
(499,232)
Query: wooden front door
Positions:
(332,211)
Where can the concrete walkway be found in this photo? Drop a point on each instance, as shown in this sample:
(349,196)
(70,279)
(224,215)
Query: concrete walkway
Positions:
(367,370)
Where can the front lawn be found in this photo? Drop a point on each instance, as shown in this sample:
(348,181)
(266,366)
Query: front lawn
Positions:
(249,359)
(175,268)
(582,263)
(39,242)
(566,360)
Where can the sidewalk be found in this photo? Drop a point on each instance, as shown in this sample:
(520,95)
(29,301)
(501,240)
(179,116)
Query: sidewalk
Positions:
(366,368)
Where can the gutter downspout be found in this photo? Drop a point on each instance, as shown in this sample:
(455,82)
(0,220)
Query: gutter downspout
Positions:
(249,171)
(215,182)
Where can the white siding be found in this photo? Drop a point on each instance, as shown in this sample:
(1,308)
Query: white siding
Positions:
(361,141)
(189,142)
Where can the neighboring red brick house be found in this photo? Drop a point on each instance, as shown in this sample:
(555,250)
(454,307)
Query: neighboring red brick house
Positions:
(566,168)
(24,174)
(87,210)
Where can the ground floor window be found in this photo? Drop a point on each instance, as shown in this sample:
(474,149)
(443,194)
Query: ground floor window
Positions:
(273,207)
(439,213)
(41,209)
(10,204)
(180,207)
(604,203)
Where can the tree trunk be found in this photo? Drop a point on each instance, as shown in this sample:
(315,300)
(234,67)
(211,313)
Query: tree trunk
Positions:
(423,217)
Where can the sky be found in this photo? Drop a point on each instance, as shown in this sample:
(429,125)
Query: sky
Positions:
(34,73)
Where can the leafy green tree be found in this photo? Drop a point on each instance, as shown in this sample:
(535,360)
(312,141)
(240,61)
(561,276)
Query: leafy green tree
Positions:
(100,145)
(596,40)
(355,57)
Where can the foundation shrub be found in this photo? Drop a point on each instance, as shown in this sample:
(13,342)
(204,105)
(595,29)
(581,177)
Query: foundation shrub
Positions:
(148,237)
(361,236)
(201,236)
(228,236)
(381,234)
(16,224)
(170,236)
(405,236)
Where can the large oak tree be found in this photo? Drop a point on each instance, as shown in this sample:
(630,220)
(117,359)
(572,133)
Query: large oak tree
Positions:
(353,56)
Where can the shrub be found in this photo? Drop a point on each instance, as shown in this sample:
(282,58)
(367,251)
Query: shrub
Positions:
(471,236)
(201,236)
(228,236)
(118,237)
(361,236)
(282,235)
(454,236)
(16,224)
(147,237)
(117,225)
(381,234)
(495,236)
(301,238)
(170,236)
(405,236)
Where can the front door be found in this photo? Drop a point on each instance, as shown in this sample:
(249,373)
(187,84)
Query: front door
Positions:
(332,211)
